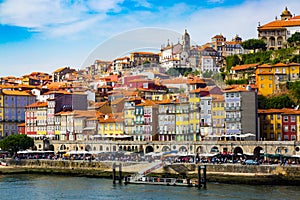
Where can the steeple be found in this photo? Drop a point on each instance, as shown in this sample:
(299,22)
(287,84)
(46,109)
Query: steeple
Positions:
(286,14)
(186,42)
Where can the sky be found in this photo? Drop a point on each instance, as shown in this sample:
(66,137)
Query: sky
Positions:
(43,35)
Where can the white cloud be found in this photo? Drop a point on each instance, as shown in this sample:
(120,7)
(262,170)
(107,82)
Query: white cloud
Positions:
(105,5)
(215,1)
(142,3)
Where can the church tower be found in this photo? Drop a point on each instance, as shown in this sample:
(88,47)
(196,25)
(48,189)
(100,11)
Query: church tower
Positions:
(186,42)
(286,14)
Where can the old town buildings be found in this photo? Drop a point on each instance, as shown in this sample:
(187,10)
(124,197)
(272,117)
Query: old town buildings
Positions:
(120,100)
(276,33)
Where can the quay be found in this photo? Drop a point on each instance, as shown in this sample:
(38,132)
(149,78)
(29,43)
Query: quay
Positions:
(223,173)
(291,148)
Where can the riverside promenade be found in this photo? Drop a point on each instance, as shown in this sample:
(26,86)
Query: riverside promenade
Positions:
(223,173)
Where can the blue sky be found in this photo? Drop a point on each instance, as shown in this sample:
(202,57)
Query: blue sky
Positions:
(43,35)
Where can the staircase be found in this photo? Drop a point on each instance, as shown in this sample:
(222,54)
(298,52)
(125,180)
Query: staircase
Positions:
(148,170)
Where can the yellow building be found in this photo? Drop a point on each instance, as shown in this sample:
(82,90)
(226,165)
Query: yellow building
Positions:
(270,124)
(270,77)
(194,115)
(110,126)
(182,122)
(218,114)
(294,71)
(265,79)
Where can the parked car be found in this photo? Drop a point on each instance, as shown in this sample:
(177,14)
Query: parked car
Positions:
(251,162)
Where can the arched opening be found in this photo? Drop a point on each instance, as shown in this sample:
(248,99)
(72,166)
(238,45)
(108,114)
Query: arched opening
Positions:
(34,148)
(62,147)
(214,150)
(51,147)
(114,148)
(258,151)
(149,149)
(141,149)
(182,149)
(88,148)
(125,148)
(200,149)
(279,41)
(165,149)
(272,41)
(238,151)
(120,148)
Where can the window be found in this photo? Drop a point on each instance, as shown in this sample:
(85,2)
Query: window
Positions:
(261,78)
(293,128)
(278,126)
(285,119)
(293,119)
(270,78)
(262,86)
(285,128)
(270,85)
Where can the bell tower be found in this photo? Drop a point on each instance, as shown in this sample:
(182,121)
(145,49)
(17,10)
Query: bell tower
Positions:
(186,42)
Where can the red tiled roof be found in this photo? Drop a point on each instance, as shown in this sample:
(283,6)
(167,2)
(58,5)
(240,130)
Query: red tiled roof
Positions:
(244,67)
(37,105)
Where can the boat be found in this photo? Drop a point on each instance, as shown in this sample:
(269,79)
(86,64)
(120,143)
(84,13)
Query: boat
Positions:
(161,181)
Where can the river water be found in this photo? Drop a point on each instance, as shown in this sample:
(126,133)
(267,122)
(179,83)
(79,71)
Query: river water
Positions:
(65,187)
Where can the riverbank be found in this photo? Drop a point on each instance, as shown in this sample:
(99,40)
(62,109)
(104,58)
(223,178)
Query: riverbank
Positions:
(223,173)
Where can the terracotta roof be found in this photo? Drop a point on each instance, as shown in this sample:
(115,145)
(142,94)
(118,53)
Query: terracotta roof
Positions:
(194,80)
(21,125)
(290,111)
(244,67)
(37,105)
(140,80)
(147,103)
(206,89)
(280,65)
(217,97)
(294,64)
(236,88)
(59,69)
(283,111)
(279,24)
(16,93)
(142,52)
(269,111)
(264,66)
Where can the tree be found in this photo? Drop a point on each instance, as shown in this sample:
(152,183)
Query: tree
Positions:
(207,74)
(173,72)
(16,142)
(295,90)
(294,40)
(232,61)
(254,44)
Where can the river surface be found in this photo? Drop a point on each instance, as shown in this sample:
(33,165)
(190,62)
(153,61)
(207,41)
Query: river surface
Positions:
(65,187)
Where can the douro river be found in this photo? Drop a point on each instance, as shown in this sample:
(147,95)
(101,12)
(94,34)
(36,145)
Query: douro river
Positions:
(65,187)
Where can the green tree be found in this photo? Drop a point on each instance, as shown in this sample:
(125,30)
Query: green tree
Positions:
(254,44)
(278,102)
(294,40)
(295,90)
(232,61)
(16,142)
(173,72)
(207,74)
